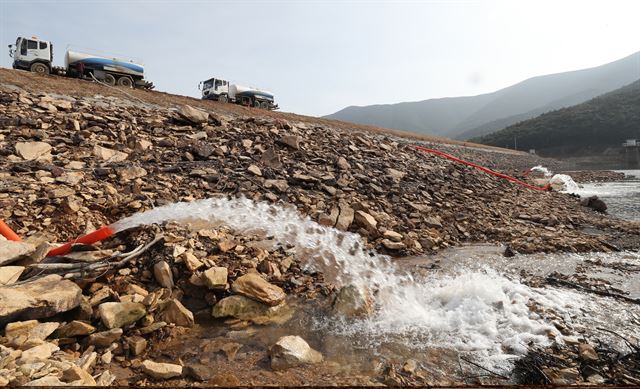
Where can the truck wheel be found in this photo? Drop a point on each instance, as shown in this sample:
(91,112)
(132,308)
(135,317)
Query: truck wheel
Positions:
(40,68)
(264,105)
(109,79)
(256,103)
(125,81)
(223,99)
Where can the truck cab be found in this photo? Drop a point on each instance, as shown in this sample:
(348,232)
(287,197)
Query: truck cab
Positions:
(215,89)
(32,54)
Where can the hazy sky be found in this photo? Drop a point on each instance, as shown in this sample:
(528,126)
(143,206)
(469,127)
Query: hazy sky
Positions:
(320,56)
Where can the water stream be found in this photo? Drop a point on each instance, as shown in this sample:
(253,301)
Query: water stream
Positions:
(472,302)
(622,197)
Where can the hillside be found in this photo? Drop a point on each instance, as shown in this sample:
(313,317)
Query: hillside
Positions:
(589,127)
(465,117)
(231,230)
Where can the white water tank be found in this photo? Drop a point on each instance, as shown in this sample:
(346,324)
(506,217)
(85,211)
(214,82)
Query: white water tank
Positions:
(235,90)
(116,65)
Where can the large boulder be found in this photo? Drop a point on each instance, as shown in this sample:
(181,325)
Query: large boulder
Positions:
(193,115)
(244,308)
(44,297)
(116,315)
(291,351)
(255,287)
(594,203)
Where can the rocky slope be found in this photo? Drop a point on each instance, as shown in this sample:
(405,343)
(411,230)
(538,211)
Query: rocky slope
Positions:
(73,161)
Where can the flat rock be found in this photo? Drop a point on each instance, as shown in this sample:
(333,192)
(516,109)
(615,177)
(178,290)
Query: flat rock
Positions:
(278,185)
(109,155)
(244,308)
(30,151)
(38,353)
(131,173)
(11,251)
(10,274)
(46,381)
(174,312)
(392,236)
(115,315)
(105,338)
(391,245)
(161,370)
(255,287)
(44,297)
(193,115)
(75,328)
(20,332)
(290,351)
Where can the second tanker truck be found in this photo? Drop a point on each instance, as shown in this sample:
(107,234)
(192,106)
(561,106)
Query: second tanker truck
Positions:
(226,92)
(36,55)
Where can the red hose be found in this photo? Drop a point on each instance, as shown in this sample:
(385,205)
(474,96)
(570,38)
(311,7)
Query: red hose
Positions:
(484,169)
(90,238)
(7,232)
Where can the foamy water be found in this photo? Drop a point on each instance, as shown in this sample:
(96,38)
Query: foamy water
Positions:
(481,311)
(542,170)
(564,183)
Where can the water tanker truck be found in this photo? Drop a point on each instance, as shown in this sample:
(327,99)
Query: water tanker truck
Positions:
(226,92)
(36,55)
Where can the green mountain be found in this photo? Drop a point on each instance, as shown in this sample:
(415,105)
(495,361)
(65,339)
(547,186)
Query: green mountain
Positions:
(472,116)
(586,128)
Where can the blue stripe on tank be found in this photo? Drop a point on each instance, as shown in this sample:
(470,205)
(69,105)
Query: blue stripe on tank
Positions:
(110,62)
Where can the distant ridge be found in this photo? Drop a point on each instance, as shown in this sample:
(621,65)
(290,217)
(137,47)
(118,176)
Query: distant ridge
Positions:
(472,116)
(583,129)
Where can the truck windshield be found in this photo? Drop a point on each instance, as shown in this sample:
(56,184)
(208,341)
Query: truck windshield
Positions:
(207,84)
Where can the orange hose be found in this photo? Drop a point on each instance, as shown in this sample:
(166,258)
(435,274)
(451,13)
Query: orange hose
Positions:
(484,169)
(7,232)
(93,237)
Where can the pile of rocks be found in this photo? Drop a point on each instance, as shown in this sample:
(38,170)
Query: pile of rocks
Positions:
(585,176)
(59,331)
(72,164)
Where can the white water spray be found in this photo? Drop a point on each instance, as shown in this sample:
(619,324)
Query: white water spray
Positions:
(337,253)
(564,183)
(542,170)
(480,311)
